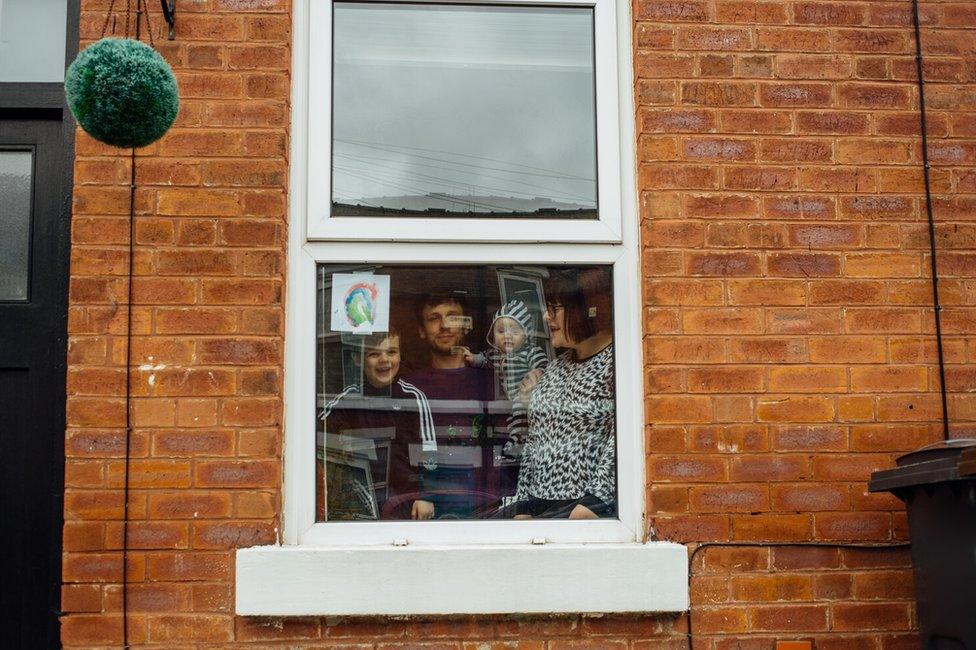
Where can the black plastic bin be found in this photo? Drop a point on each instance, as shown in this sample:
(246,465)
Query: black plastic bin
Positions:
(938,485)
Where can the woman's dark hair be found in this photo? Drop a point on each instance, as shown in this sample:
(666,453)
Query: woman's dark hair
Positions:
(587,296)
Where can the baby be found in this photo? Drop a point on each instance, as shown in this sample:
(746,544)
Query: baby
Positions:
(513,356)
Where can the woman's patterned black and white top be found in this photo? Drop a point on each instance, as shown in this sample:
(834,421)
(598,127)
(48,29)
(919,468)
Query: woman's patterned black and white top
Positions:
(571,448)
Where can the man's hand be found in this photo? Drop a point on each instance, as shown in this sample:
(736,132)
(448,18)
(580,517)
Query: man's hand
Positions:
(522,517)
(422,510)
(582,512)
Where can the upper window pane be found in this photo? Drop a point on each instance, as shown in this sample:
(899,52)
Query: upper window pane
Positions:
(463,111)
(32,40)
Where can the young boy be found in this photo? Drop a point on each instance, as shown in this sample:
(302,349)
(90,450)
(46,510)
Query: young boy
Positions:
(513,355)
(364,426)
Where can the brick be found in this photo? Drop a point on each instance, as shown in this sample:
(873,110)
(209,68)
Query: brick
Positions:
(673,11)
(771,527)
(767,292)
(796,150)
(196,262)
(217,535)
(728,438)
(719,150)
(784,95)
(686,292)
(874,41)
(758,178)
(803,265)
(189,566)
(883,585)
(198,202)
(722,321)
(723,264)
(768,588)
(724,379)
(792,39)
(848,350)
(663,176)
(832,122)
(715,65)
(243,474)
(809,498)
(794,409)
(870,616)
(887,437)
(658,65)
(799,207)
(813,66)
(721,206)
(718,93)
(769,468)
(92,630)
(189,505)
(721,39)
(848,467)
(742,11)
(807,379)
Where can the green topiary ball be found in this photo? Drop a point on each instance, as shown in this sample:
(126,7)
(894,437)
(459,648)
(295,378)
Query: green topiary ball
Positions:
(122,92)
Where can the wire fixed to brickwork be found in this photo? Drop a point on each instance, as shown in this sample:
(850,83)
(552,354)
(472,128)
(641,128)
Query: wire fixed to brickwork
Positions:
(137,30)
(834,545)
(937,307)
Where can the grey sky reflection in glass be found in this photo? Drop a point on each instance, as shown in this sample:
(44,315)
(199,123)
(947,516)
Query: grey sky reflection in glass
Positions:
(15,219)
(463,110)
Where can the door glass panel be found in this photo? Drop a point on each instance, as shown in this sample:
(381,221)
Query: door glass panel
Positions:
(32,40)
(15,218)
(463,111)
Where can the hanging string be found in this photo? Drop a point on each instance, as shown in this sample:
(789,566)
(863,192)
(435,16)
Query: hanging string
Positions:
(148,25)
(110,14)
(140,12)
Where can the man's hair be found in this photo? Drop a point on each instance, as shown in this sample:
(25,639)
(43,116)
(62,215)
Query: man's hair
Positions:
(440,297)
(587,296)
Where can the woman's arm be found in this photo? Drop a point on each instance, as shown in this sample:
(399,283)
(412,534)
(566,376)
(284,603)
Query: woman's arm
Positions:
(601,482)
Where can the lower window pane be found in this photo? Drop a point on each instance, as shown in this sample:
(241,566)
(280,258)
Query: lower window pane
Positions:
(465,392)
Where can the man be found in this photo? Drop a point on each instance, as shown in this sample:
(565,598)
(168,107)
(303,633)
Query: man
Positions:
(456,477)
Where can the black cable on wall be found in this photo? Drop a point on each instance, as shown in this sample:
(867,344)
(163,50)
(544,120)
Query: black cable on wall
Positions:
(937,307)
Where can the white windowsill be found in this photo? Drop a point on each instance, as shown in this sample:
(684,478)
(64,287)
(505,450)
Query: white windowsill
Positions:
(497,579)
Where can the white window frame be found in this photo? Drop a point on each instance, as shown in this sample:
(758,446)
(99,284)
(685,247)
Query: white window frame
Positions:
(347,568)
(321,225)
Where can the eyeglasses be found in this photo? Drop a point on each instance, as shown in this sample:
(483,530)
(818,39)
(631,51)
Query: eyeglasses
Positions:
(552,310)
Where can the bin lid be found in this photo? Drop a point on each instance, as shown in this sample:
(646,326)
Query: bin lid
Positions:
(946,460)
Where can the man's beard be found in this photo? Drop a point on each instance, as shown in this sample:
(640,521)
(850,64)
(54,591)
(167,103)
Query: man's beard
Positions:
(445,348)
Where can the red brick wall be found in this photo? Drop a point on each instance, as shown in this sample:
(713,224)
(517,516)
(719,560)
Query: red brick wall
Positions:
(790,342)
(789,328)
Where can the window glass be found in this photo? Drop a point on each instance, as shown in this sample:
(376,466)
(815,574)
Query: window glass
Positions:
(32,40)
(463,110)
(465,392)
(15,220)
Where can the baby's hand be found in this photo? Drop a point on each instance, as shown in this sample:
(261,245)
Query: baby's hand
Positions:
(469,357)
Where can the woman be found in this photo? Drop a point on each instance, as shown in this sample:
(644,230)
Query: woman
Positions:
(569,463)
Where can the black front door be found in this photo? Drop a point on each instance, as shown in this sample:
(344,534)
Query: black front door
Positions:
(33,318)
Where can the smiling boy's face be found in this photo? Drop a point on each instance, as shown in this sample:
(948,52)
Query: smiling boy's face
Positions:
(382,362)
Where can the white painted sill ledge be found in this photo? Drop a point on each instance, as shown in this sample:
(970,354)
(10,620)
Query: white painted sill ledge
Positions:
(418,580)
